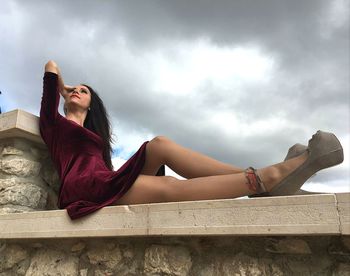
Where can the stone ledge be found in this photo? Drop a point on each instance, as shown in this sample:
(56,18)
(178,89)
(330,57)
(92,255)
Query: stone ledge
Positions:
(20,123)
(326,214)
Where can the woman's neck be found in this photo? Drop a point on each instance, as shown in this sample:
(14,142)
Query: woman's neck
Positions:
(78,118)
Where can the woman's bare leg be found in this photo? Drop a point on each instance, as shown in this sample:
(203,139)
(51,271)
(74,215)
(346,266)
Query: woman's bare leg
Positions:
(185,162)
(151,189)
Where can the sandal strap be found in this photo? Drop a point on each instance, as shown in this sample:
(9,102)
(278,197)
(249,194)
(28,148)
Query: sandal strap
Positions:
(254,182)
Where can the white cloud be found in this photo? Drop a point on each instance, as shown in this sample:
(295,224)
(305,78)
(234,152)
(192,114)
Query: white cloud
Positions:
(193,63)
(345,142)
(117,162)
(170,172)
(231,124)
(128,139)
(337,186)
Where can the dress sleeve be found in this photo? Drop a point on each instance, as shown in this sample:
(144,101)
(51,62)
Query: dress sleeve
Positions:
(50,99)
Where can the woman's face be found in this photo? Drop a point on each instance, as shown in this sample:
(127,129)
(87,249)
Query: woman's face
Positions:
(78,96)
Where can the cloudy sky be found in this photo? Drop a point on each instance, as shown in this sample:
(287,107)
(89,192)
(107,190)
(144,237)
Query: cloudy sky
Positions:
(240,81)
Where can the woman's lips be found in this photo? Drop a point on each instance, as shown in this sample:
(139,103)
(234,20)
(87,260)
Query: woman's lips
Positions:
(75,96)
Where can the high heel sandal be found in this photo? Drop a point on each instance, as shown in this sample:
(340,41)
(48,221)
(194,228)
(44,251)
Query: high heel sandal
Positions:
(324,151)
(294,151)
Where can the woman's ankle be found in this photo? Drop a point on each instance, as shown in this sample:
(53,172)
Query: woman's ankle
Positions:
(274,174)
(270,176)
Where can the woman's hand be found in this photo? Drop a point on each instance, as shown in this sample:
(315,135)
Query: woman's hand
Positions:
(68,88)
(51,66)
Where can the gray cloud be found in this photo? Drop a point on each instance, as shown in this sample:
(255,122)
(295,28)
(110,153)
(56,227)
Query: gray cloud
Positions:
(113,45)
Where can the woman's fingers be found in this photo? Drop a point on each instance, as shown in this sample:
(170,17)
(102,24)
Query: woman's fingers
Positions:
(68,87)
(66,90)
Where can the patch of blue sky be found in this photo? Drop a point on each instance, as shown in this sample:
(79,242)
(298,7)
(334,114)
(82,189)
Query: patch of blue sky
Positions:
(3,103)
(120,152)
(6,103)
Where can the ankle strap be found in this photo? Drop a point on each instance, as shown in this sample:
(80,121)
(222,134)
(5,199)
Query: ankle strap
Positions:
(254,182)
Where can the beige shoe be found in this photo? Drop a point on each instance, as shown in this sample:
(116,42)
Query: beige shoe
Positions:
(324,150)
(295,151)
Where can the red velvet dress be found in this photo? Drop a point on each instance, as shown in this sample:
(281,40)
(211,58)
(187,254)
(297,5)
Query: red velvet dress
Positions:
(87,184)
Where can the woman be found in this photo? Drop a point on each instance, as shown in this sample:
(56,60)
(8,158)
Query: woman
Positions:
(80,147)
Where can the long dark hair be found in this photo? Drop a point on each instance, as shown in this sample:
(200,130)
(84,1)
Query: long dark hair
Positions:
(97,120)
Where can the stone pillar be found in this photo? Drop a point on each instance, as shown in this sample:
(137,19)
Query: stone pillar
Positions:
(28,180)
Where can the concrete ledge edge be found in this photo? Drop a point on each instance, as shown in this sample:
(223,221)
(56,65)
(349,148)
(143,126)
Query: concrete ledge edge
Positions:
(321,214)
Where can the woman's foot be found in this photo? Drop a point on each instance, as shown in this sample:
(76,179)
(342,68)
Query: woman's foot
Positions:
(286,178)
(274,174)
(294,151)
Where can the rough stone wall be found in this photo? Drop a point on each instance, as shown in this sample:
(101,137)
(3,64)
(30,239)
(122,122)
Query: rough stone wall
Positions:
(195,256)
(28,180)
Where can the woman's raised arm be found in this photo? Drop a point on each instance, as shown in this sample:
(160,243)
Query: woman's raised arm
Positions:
(51,66)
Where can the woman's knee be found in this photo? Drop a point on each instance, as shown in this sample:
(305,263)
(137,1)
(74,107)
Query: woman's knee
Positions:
(157,147)
(160,140)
